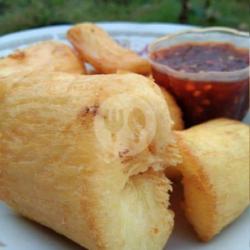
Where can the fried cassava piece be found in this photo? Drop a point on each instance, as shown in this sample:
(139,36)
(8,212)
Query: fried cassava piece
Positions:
(45,56)
(174,109)
(215,173)
(59,167)
(98,48)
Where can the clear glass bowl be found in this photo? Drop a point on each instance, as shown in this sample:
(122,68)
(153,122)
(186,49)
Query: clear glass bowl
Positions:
(210,94)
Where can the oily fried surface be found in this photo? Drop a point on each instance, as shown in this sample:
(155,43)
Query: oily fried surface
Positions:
(215,173)
(54,169)
(173,172)
(174,109)
(45,56)
(97,48)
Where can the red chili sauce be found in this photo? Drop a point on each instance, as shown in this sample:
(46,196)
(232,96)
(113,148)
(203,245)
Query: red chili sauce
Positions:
(205,100)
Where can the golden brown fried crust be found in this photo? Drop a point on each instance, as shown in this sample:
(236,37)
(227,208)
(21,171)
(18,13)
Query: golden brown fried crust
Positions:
(97,48)
(173,172)
(215,173)
(45,56)
(54,170)
(174,109)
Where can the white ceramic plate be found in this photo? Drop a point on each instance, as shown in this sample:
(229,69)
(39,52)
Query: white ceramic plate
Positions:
(17,233)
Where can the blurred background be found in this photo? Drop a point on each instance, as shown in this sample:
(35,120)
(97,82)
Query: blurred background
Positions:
(23,14)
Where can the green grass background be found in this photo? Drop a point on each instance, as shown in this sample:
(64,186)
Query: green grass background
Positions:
(22,14)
